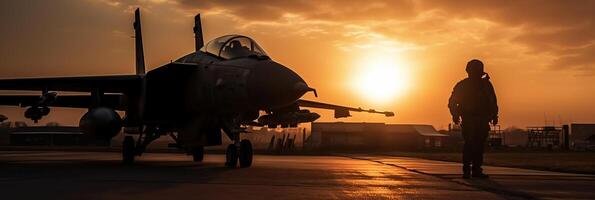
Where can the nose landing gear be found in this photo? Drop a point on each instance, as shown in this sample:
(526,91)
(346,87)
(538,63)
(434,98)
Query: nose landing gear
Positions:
(231,156)
(243,154)
(240,150)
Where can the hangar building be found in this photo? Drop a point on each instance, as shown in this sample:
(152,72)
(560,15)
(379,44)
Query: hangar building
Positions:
(374,136)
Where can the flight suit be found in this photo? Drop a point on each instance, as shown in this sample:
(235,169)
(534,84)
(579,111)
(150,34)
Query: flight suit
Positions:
(474,100)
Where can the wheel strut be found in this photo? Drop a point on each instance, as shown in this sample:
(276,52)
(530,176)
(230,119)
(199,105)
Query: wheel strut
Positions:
(231,156)
(198,154)
(128,150)
(245,153)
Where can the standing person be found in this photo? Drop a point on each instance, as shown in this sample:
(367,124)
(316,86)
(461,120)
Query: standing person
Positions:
(473,99)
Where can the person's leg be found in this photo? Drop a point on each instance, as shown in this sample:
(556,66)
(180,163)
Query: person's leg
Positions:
(467,150)
(479,147)
(467,158)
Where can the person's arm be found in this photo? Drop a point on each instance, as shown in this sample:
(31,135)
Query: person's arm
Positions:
(454,104)
(493,104)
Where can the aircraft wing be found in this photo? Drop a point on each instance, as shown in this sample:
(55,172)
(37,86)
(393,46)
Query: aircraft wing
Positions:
(340,111)
(107,84)
(70,101)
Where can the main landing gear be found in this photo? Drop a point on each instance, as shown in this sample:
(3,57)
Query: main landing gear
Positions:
(131,149)
(128,150)
(239,152)
(198,154)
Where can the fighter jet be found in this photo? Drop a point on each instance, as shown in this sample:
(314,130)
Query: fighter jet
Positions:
(224,85)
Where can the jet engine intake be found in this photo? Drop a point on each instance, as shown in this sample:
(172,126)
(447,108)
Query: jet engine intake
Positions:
(102,123)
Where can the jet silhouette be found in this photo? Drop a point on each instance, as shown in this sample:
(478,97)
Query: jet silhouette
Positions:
(223,85)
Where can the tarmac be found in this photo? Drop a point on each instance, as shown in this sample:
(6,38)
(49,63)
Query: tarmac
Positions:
(100,175)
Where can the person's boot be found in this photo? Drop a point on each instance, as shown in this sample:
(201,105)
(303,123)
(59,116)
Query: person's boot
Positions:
(466,171)
(478,173)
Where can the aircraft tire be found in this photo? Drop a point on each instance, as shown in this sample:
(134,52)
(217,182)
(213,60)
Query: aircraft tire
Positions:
(246,153)
(128,150)
(231,156)
(198,154)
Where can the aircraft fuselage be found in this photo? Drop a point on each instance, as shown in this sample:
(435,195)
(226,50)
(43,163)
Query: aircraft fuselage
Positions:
(228,87)
(200,94)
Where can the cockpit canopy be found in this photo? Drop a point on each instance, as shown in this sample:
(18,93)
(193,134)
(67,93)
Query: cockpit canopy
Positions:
(233,46)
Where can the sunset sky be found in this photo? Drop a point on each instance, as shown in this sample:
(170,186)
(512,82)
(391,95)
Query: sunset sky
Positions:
(540,54)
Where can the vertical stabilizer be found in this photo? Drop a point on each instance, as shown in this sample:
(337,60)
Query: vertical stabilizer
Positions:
(198,40)
(138,44)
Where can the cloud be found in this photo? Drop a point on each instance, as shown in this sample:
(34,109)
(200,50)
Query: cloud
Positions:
(548,28)
(562,31)
(579,59)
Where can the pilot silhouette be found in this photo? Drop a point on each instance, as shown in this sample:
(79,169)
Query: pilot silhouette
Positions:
(236,49)
(474,100)
(235,44)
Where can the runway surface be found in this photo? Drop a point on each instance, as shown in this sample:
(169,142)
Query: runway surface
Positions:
(99,175)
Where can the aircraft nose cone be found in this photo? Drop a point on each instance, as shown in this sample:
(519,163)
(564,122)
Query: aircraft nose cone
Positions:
(301,87)
(273,85)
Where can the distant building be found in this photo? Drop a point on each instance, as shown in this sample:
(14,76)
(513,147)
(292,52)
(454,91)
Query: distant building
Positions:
(545,137)
(374,136)
(496,136)
(582,136)
(515,137)
(572,136)
(20,124)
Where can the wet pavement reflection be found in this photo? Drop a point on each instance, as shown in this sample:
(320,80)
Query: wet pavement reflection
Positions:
(95,175)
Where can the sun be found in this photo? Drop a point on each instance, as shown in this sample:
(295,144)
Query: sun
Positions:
(381,79)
